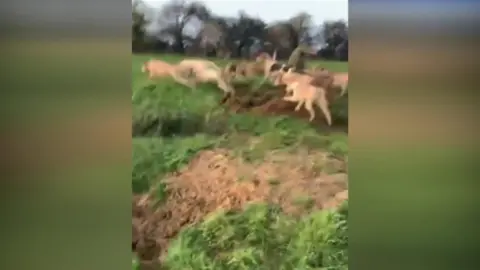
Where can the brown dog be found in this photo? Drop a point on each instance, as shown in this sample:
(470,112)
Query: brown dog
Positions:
(323,79)
(306,91)
(340,79)
(161,69)
(207,71)
(189,72)
(264,64)
(243,69)
(270,66)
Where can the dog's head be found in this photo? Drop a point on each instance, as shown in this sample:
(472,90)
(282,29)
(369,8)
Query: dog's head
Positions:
(275,67)
(145,66)
(278,74)
(261,57)
(231,68)
(285,68)
(229,71)
(265,56)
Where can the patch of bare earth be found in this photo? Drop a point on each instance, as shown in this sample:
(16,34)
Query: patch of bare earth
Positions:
(217,179)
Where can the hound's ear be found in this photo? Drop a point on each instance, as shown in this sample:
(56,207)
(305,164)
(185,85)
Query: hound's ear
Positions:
(275,67)
(232,67)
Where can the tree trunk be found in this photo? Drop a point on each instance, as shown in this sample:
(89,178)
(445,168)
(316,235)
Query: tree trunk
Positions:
(239,50)
(178,44)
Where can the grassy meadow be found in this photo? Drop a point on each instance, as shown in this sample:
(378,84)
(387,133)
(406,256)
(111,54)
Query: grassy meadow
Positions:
(172,125)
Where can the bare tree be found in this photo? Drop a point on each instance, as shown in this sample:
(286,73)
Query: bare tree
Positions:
(212,35)
(335,34)
(183,25)
(302,23)
(335,31)
(283,37)
(246,32)
(174,17)
(233,35)
(138,26)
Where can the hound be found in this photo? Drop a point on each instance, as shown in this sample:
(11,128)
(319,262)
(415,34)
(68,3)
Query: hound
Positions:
(249,69)
(305,93)
(208,71)
(340,79)
(242,69)
(161,69)
(270,66)
(264,65)
(189,72)
(320,79)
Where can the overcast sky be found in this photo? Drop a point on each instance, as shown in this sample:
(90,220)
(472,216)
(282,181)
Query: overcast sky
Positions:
(271,10)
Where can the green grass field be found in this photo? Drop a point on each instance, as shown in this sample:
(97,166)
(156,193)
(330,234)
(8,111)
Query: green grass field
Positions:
(173,125)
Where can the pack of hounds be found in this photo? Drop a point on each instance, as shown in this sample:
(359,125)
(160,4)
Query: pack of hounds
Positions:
(306,87)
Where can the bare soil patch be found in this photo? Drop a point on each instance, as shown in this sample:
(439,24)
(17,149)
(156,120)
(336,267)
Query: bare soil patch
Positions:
(217,179)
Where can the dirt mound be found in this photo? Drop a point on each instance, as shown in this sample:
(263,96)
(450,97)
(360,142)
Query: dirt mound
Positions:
(268,100)
(219,180)
(144,241)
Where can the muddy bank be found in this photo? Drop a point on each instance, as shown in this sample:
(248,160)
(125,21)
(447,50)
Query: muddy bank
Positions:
(268,100)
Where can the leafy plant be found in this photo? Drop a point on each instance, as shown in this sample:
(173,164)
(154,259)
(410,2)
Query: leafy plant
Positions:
(261,237)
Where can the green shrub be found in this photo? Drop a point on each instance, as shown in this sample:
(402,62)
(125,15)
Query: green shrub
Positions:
(261,237)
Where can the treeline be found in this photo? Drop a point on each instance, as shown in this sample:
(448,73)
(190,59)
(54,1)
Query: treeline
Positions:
(191,28)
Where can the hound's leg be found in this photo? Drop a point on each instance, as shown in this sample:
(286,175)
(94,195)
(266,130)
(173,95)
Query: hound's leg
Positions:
(192,79)
(183,81)
(227,89)
(295,96)
(299,105)
(344,90)
(309,107)
(322,102)
(290,89)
